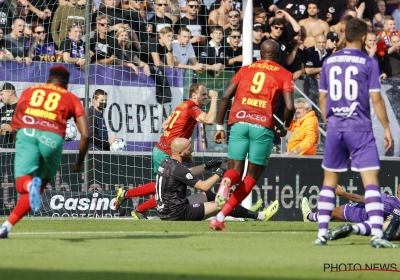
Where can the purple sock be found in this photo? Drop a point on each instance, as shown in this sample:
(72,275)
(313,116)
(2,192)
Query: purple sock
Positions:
(313,217)
(374,208)
(326,204)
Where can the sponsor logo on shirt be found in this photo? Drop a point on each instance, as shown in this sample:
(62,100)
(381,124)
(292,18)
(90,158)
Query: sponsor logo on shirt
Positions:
(254,117)
(331,10)
(189,176)
(345,111)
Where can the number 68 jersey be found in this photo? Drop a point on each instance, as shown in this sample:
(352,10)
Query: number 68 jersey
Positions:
(348,77)
(259,86)
(46,107)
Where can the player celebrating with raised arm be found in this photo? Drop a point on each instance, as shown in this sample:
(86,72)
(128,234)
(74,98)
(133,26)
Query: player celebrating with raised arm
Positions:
(180,123)
(349,78)
(256,88)
(39,124)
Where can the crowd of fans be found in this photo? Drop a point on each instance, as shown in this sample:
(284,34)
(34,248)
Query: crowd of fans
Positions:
(207,34)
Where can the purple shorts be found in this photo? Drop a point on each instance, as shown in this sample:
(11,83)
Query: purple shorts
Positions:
(359,145)
(354,213)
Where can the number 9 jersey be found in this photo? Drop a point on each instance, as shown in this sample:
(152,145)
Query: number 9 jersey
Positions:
(46,107)
(259,86)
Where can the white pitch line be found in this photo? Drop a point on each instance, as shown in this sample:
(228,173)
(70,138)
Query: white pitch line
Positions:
(148,232)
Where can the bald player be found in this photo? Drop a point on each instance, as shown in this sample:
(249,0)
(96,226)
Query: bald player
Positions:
(256,88)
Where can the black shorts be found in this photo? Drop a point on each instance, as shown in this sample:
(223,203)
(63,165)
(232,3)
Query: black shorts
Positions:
(191,212)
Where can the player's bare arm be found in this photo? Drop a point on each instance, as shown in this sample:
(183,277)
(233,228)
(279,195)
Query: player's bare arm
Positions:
(83,128)
(219,136)
(340,191)
(209,118)
(207,184)
(380,110)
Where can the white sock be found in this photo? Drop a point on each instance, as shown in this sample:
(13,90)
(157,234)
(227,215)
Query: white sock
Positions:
(29,186)
(261,216)
(220,217)
(7,225)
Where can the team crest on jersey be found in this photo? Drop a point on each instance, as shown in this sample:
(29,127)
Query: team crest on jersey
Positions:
(331,10)
(283,47)
(189,176)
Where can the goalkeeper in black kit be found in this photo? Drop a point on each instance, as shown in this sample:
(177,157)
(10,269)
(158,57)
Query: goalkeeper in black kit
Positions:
(171,185)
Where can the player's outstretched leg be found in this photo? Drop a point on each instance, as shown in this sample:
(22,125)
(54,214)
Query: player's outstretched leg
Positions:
(120,198)
(35,199)
(340,232)
(231,177)
(377,242)
(305,209)
(271,210)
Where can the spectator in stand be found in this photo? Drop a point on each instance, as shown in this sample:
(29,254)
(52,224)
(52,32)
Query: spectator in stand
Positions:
(257,38)
(124,55)
(35,10)
(64,17)
(98,134)
(157,52)
(15,42)
(102,44)
(299,8)
(5,17)
(396,14)
(260,16)
(213,52)
(370,49)
(390,61)
(9,98)
(220,16)
(332,39)
(112,10)
(295,57)
(233,51)
(369,25)
(196,24)
(234,20)
(305,136)
(339,29)
(371,10)
(283,29)
(352,6)
(135,21)
(391,6)
(73,48)
(183,52)
(382,11)
(314,57)
(312,26)
(161,18)
(331,10)
(41,49)
(389,29)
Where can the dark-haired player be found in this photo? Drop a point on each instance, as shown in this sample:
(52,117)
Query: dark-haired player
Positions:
(180,123)
(256,88)
(39,124)
(349,79)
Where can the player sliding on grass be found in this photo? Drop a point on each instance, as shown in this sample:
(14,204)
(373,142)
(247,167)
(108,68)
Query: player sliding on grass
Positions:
(39,122)
(181,123)
(173,179)
(349,81)
(257,88)
(356,213)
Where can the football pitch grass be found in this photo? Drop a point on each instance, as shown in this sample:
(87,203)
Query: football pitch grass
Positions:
(73,249)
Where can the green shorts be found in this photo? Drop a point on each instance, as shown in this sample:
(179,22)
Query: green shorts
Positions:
(37,152)
(158,157)
(253,139)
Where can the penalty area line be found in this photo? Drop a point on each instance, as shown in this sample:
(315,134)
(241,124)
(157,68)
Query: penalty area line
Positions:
(148,232)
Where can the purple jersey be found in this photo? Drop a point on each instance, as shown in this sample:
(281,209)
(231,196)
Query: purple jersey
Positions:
(356,213)
(391,205)
(45,52)
(348,77)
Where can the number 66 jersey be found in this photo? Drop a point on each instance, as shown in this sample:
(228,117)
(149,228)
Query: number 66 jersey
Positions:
(259,86)
(46,107)
(347,78)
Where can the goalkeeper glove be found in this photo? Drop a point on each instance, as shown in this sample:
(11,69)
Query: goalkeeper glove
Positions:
(214,163)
